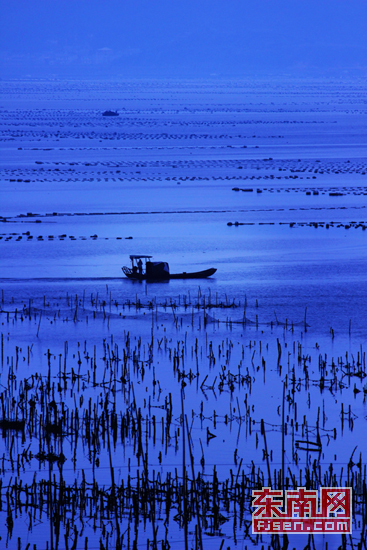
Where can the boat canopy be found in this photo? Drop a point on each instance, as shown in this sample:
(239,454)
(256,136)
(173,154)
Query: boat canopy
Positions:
(137,256)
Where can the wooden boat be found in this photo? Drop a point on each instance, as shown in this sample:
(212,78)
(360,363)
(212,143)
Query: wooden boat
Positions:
(159,271)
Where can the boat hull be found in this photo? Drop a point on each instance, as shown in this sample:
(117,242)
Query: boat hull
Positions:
(194,275)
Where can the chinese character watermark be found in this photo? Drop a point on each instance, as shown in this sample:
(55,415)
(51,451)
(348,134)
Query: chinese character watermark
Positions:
(300,513)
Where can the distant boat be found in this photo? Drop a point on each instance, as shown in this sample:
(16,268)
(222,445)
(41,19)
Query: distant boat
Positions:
(110,113)
(159,271)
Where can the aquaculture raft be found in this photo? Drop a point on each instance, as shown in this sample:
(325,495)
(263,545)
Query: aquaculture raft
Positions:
(159,271)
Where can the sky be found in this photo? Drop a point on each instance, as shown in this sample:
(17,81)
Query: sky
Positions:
(182,38)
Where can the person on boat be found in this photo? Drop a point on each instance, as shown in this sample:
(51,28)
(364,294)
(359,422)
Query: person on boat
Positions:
(140,266)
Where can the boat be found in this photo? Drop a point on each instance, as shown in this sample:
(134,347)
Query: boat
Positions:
(110,113)
(158,271)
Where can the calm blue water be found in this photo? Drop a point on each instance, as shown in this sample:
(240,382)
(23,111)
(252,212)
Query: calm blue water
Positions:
(163,173)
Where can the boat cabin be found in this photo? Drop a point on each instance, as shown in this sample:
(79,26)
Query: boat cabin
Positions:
(143,265)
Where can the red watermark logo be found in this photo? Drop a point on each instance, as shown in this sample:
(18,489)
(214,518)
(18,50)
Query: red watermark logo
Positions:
(299,512)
